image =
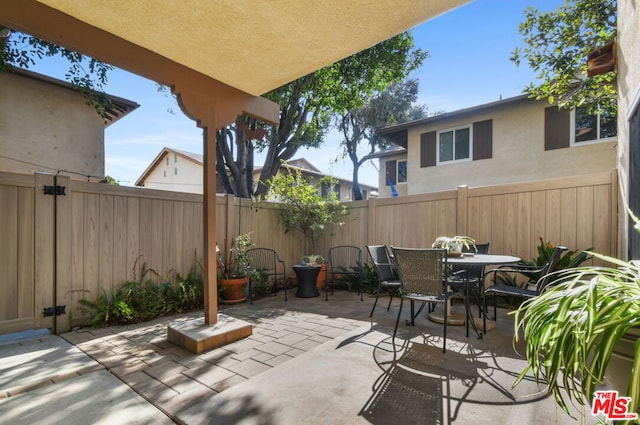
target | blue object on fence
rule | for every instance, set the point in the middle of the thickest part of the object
(394, 192)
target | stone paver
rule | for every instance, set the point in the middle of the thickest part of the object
(169, 376)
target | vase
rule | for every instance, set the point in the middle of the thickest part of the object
(233, 290)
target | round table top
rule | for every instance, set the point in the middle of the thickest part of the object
(483, 259)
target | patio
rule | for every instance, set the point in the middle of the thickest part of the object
(314, 362)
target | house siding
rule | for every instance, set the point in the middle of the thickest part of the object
(516, 152)
(46, 128)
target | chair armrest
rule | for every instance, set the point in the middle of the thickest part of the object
(515, 269)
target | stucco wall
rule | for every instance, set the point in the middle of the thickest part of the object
(46, 128)
(628, 97)
(518, 153)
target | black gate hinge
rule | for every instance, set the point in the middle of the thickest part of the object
(51, 311)
(53, 190)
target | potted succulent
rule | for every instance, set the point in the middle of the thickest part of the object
(455, 244)
(234, 270)
(584, 328)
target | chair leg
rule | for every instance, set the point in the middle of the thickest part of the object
(395, 329)
(374, 304)
(390, 299)
(286, 288)
(444, 336)
(413, 316)
(495, 308)
(250, 291)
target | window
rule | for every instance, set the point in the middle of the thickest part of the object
(402, 171)
(454, 145)
(326, 190)
(583, 127)
(592, 127)
(396, 172)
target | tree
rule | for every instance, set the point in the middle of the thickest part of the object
(302, 206)
(392, 106)
(87, 75)
(557, 45)
(308, 104)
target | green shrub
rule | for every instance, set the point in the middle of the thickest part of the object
(569, 259)
(144, 299)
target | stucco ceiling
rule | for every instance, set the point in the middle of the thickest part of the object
(254, 46)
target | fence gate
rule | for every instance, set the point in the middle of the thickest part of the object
(33, 210)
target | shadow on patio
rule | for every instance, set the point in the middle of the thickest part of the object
(311, 361)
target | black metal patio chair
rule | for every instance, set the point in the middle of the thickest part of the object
(421, 273)
(268, 265)
(469, 278)
(523, 291)
(345, 265)
(385, 271)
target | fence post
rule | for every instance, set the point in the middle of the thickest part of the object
(461, 209)
(371, 222)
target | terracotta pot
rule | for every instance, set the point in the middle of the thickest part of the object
(322, 276)
(233, 290)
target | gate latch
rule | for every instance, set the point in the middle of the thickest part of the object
(53, 190)
(57, 310)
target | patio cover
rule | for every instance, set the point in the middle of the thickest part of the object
(219, 56)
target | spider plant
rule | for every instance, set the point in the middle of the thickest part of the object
(454, 243)
(571, 329)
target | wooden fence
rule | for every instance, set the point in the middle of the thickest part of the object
(57, 249)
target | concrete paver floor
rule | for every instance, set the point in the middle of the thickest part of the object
(309, 361)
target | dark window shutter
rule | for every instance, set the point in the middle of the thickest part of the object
(482, 139)
(428, 149)
(556, 128)
(390, 170)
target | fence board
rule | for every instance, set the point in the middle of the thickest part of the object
(9, 258)
(112, 227)
(25, 251)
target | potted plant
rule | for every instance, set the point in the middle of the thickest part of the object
(573, 330)
(304, 209)
(234, 270)
(454, 244)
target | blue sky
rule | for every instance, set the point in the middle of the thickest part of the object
(468, 65)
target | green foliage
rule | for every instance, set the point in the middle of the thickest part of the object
(107, 310)
(87, 75)
(572, 328)
(110, 180)
(557, 45)
(236, 263)
(569, 259)
(144, 299)
(392, 106)
(308, 104)
(369, 279)
(302, 207)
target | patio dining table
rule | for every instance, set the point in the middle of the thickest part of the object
(470, 259)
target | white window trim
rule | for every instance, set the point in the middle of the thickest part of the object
(454, 129)
(398, 171)
(572, 133)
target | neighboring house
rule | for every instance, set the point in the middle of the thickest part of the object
(182, 171)
(512, 140)
(174, 170)
(47, 127)
(343, 187)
